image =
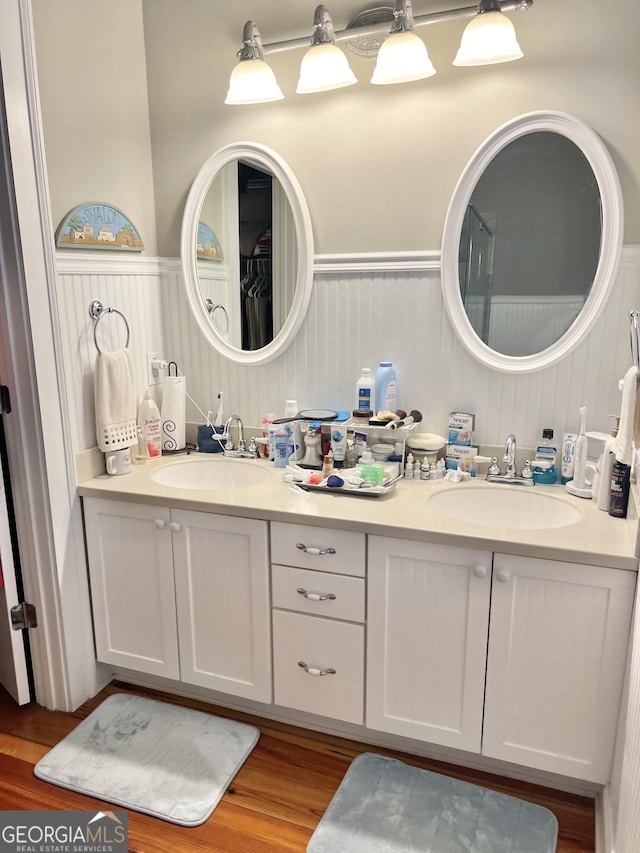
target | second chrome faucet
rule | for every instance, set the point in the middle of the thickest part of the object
(510, 475)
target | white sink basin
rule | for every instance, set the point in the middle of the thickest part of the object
(211, 473)
(514, 507)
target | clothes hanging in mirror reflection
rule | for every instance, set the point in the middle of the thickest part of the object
(256, 303)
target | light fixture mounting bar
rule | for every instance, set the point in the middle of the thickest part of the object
(418, 21)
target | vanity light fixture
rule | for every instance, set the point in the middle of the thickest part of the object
(252, 80)
(489, 38)
(403, 56)
(324, 66)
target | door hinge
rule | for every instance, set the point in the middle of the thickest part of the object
(23, 615)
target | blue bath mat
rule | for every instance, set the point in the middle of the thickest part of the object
(385, 806)
(164, 760)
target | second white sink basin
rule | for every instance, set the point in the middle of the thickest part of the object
(515, 507)
(211, 473)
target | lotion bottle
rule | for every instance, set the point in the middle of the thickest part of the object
(149, 421)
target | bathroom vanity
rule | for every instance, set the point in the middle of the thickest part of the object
(378, 618)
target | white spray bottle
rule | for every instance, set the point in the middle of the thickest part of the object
(578, 486)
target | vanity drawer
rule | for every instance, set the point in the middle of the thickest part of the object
(318, 593)
(321, 644)
(324, 548)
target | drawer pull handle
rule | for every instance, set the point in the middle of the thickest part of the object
(313, 670)
(316, 552)
(316, 596)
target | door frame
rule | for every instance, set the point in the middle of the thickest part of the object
(39, 438)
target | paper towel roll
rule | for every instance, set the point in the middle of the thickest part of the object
(172, 414)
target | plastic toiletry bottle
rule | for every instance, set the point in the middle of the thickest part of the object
(365, 387)
(602, 481)
(280, 448)
(620, 485)
(424, 469)
(408, 468)
(546, 452)
(149, 420)
(267, 420)
(327, 465)
(386, 388)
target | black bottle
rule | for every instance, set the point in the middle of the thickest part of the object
(620, 484)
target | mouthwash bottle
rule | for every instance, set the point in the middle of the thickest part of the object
(545, 470)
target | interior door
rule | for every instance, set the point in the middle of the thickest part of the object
(14, 673)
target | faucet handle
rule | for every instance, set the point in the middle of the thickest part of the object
(527, 471)
(494, 468)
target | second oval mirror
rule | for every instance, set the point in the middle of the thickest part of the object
(531, 241)
(247, 252)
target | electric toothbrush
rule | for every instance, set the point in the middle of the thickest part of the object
(578, 486)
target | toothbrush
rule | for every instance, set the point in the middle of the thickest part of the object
(218, 420)
(579, 475)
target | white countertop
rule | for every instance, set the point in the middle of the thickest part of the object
(596, 539)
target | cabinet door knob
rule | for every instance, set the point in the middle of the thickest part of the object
(316, 596)
(175, 526)
(313, 670)
(480, 571)
(160, 523)
(316, 552)
(503, 575)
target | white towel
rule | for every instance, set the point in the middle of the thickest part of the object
(624, 440)
(174, 394)
(115, 400)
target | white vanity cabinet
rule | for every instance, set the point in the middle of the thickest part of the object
(318, 591)
(557, 652)
(554, 662)
(428, 618)
(181, 594)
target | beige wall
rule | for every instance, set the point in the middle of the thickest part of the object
(377, 164)
(93, 94)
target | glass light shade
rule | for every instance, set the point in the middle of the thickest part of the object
(488, 39)
(253, 82)
(402, 57)
(324, 67)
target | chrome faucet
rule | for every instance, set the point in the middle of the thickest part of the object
(494, 475)
(242, 444)
(241, 450)
(510, 455)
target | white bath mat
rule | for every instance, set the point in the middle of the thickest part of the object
(385, 806)
(167, 761)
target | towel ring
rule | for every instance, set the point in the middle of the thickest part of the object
(97, 311)
(212, 308)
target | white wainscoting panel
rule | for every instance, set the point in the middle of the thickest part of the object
(356, 318)
(130, 284)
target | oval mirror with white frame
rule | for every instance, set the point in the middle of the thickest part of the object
(532, 241)
(247, 252)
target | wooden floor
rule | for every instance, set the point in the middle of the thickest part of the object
(274, 802)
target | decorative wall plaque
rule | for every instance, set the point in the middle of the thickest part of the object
(208, 246)
(97, 225)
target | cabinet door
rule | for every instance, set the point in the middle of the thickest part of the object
(132, 594)
(557, 653)
(428, 612)
(222, 597)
